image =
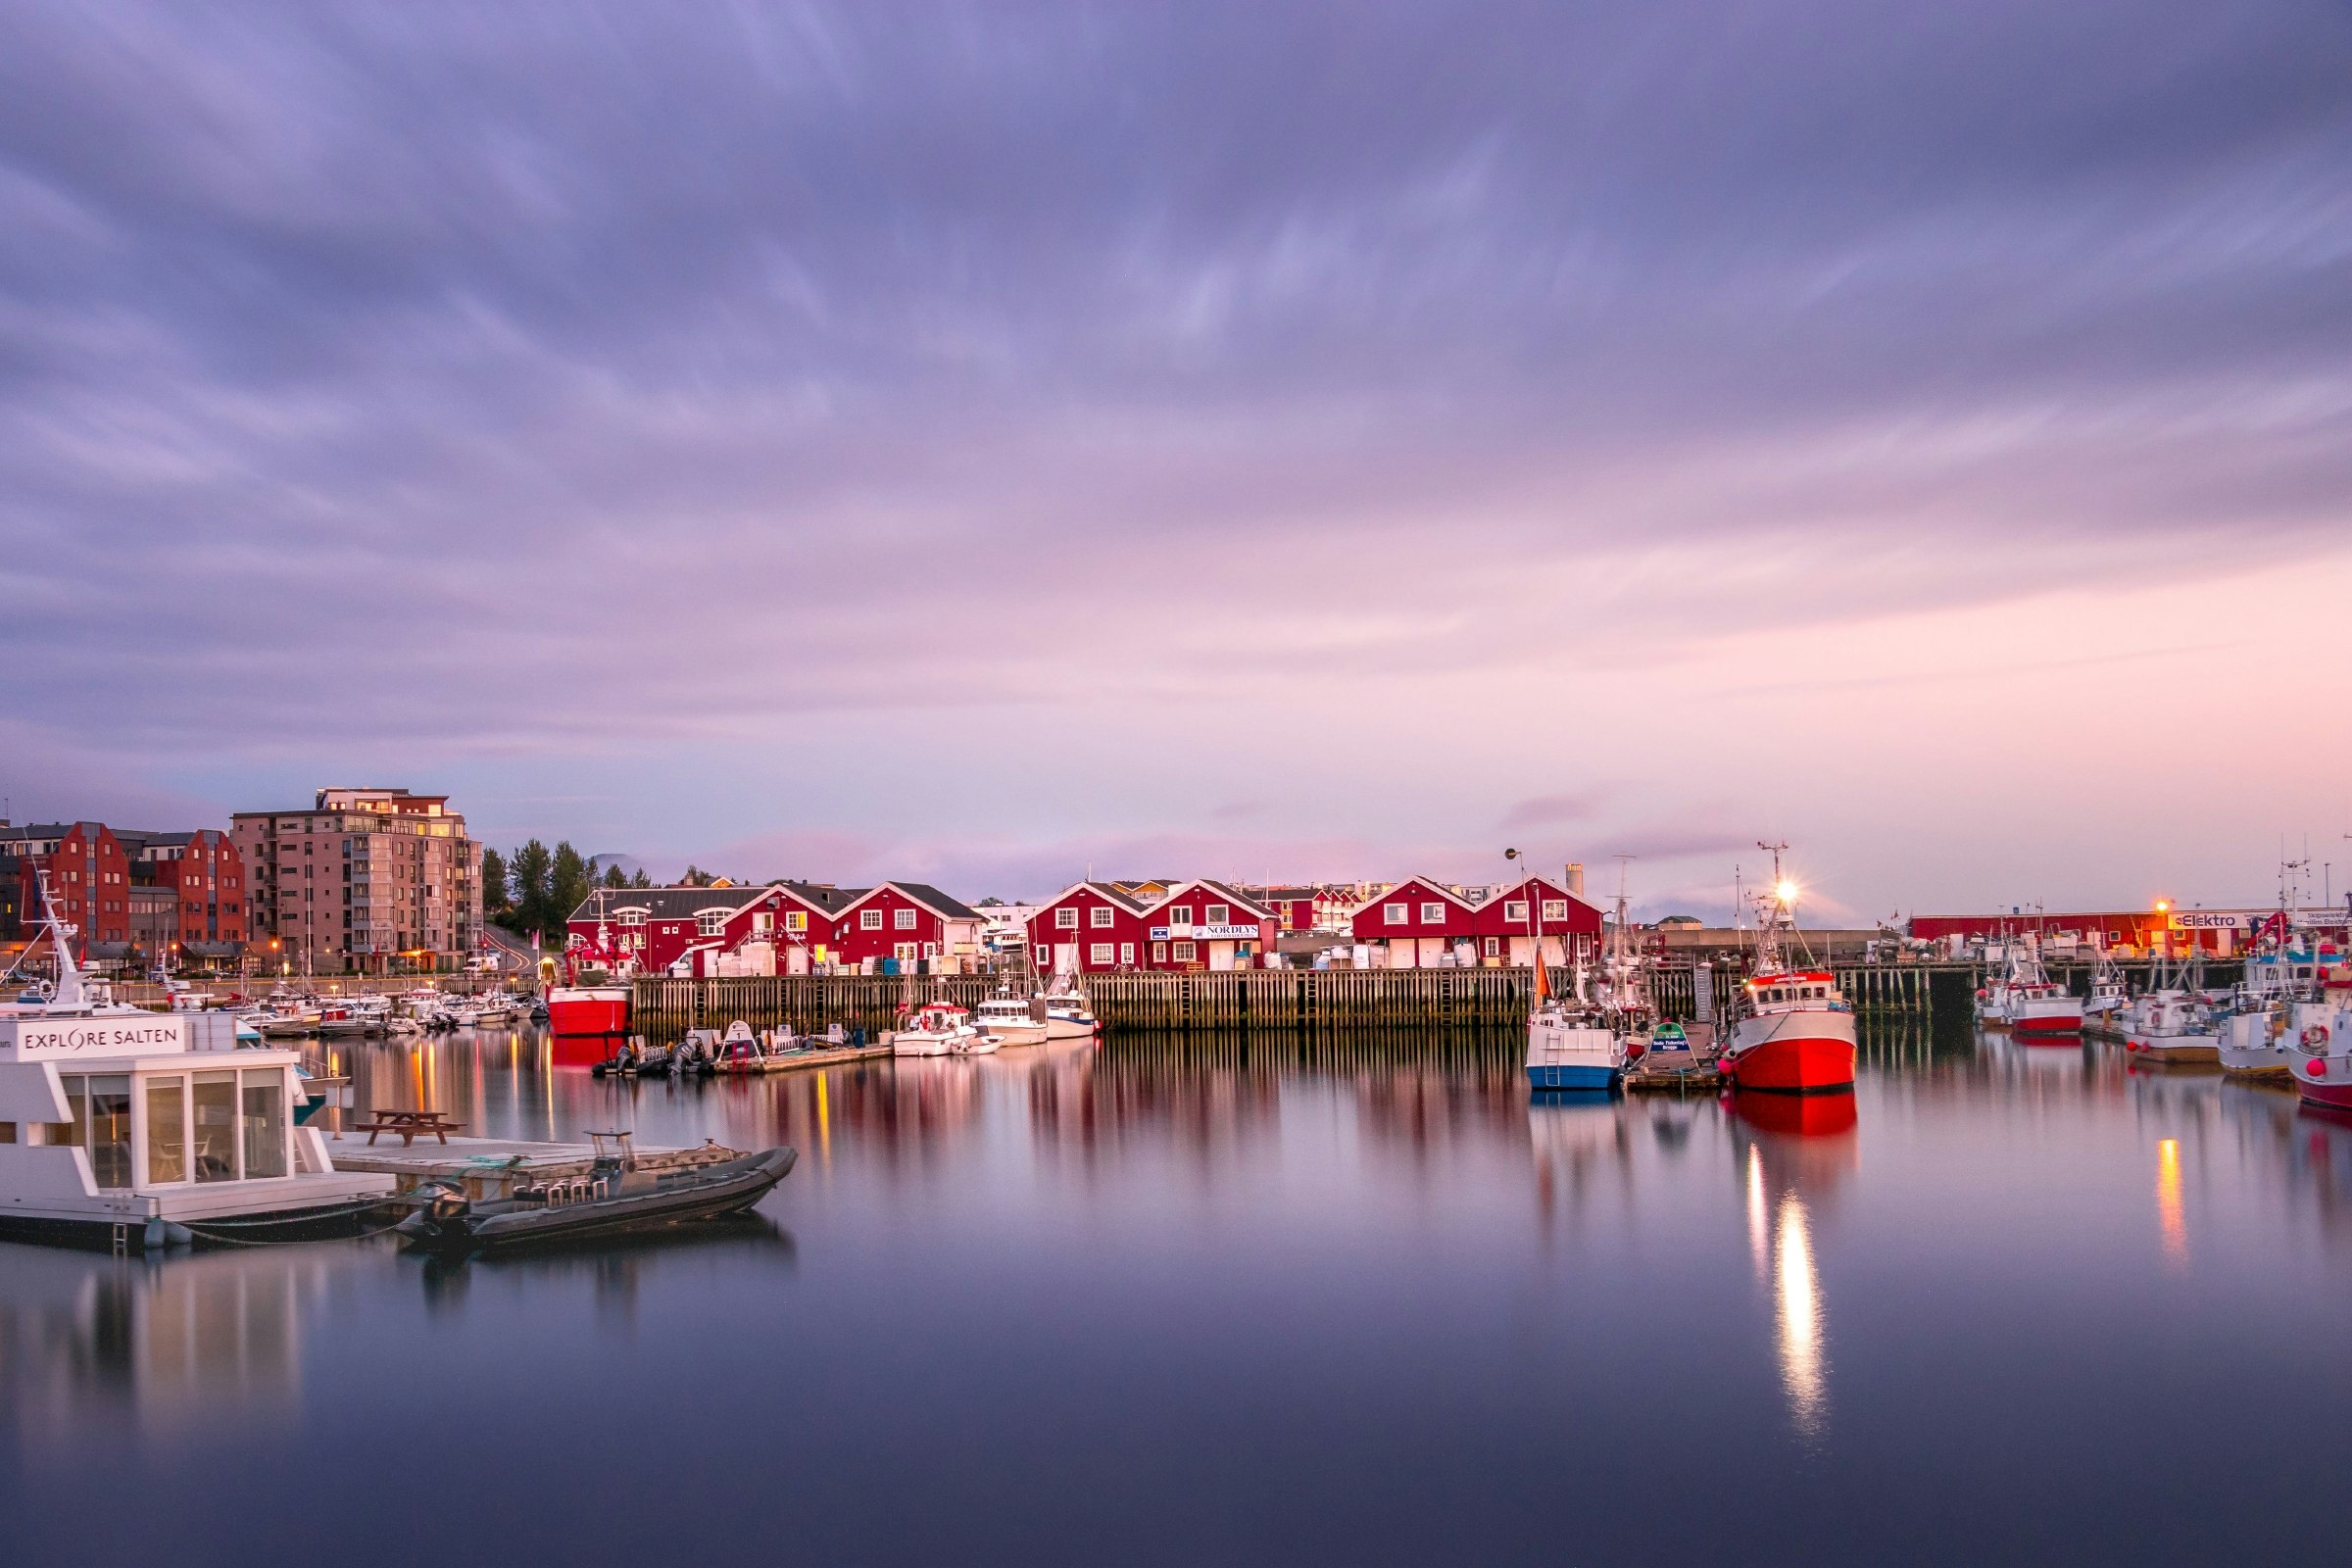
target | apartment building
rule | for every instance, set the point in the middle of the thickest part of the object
(367, 881)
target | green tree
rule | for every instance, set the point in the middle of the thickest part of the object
(614, 876)
(498, 898)
(569, 882)
(641, 880)
(533, 869)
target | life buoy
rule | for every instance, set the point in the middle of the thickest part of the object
(2315, 1038)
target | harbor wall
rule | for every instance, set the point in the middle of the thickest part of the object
(1299, 999)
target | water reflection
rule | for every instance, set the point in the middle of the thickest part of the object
(168, 1346)
(2168, 1200)
(1800, 1150)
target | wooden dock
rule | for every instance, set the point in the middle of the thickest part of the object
(488, 1167)
(1312, 1000)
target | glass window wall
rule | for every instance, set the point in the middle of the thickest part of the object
(166, 1130)
(213, 1099)
(265, 1124)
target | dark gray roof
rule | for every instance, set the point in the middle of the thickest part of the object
(666, 904)
(925, 893)
(825, 895)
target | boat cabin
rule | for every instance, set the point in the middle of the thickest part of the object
(120, 1122)
(1818, 991)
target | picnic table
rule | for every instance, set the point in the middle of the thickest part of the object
(411, 1125)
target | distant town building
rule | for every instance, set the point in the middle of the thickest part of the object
(173, 899)
(365, 881)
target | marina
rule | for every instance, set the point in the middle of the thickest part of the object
(1841, 1287)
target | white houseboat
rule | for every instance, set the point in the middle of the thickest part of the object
(138, 1129)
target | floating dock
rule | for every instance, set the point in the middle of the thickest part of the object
(488, 1167)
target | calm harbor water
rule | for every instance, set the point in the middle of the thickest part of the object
(1257, 1302)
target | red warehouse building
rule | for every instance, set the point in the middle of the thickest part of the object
(780, 928)
(1422, 921)
(1196, 925)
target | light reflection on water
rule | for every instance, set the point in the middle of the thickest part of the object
(1258, 1301)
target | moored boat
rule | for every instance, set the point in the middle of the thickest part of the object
(615, 1195)
(935, 1029)
(1014, 1020)
(1796, 1030)
(2174, 1026)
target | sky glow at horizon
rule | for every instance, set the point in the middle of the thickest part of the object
(976, 444)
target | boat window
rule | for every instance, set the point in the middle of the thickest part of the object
(166, 1130)
(213, 1102)
(265, 1128)
(101, 1124)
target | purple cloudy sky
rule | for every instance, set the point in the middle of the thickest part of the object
(980, 441)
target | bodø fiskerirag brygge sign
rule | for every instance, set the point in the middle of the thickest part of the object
(145, 1036)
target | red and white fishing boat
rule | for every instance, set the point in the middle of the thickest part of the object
(1795, 1031)
(2321, 1035)
(593, 1003)
(2034, 1004)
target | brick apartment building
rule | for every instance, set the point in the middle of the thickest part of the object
(178, 898)
(367, 881)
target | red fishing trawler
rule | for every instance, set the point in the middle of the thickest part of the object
(1796, 1030)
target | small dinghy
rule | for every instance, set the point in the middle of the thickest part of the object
(613, 1196)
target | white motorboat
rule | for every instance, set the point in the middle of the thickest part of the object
(1069, 1015)
(935, 1029)
(2253, 1046)
(2171, 1026)
(1570, 1043)
(1014, 1020)
(144, 1130)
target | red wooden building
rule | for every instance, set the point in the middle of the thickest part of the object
(1196, 925)
(777, 928)
(1422, 921)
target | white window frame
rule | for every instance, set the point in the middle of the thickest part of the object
(1101, 917)
(796, 919)
(1494, 946)
(1127, 955)
(1065, 919)
(902, 919)
(1219, 914)
(711, 923)
(1556, 908)
(1182, 915)
(1099, 953)
(870, 919)
(1188, 952)
(1515, 912)
(1433, 913)
(1396, 913)
(1160, 953)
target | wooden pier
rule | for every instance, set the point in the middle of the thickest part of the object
(1314, 999)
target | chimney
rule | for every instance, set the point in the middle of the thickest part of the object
(1576, 879)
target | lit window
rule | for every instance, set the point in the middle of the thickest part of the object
(1395, 915)
(796, 919)
(1432, 914)
(870, 919)
(1065, 919)
(1101, 917)
(903, 919)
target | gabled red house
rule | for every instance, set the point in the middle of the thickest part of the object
(1196, 925)
(1512, 921)
(1421, 920)
(904, 920)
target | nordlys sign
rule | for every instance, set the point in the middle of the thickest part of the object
(149, 1035)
